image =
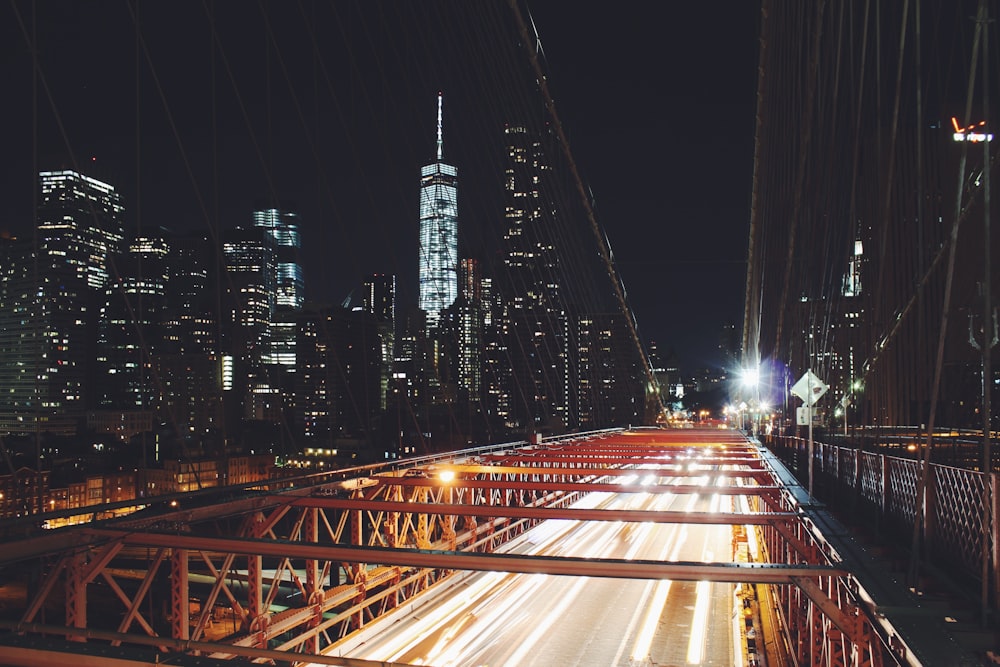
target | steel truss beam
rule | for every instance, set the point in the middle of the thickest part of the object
(764, 573)
(580, 487)
(398, 534)
(546, 513)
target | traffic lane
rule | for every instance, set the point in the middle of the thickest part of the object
(538, 619)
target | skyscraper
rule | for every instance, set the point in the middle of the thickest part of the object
(337, 383)
(380, 301)
(537, 321)
(49, 299)
(250, 258)
(530, 211)
(282, 224)
(438, 263)
(188, 367)
(80, 221)
(470, 330)
(130, 325)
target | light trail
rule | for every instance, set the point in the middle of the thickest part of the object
(699, 622)
(510, 619)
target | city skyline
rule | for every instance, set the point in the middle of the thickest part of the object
(279, 110)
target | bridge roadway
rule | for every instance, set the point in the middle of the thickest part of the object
(619, 548)
(495, 618)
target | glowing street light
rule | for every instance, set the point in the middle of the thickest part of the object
(750, 377)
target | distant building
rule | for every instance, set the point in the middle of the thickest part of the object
(24, 492)
(250, 257)
(21, 342)
(729, 343)
(282, 223)
(80, 221)
(188, 365)
(49, 301)
(470, 330)
(536, 320)
(496, 368)
(380, 302)
(608, 380)
(438, 259)
(337, 390)
(130, 324)
(666, 371)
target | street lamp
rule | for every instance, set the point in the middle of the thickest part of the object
(750, 379)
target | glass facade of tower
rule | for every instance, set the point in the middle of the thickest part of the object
(438, 264)
(283, 226)
(438, 238)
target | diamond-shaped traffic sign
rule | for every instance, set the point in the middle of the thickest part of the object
(809, 388)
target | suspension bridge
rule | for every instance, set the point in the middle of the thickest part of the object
(822, 543)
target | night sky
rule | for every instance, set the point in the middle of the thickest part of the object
(331, 106)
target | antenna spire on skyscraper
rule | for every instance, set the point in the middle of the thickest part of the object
(440, 136)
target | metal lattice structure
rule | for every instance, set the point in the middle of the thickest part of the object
(952, 531)
(284, 574)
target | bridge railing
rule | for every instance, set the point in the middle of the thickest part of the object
(879, 492)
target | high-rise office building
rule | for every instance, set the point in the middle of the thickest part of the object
(188, 366)
(531, 262)
(380, 297)
(80, 221)
(250, 273)
(35, 322)
(282, 223)
(469, 327)
(536, 319)
(438, 262)
(496, 371)
(337, 383)
(607, 378)
(380, 301)
(130, 324)
(50, 297)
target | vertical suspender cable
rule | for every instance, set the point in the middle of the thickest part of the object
(918, 519)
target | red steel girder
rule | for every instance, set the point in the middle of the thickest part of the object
(616, 471)
(450, 560)
(581, 487)
(761, 476)
(544, 513)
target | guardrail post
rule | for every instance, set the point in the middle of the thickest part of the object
(930, 512)
(884, 466)
(994, 585)
(856, 496)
